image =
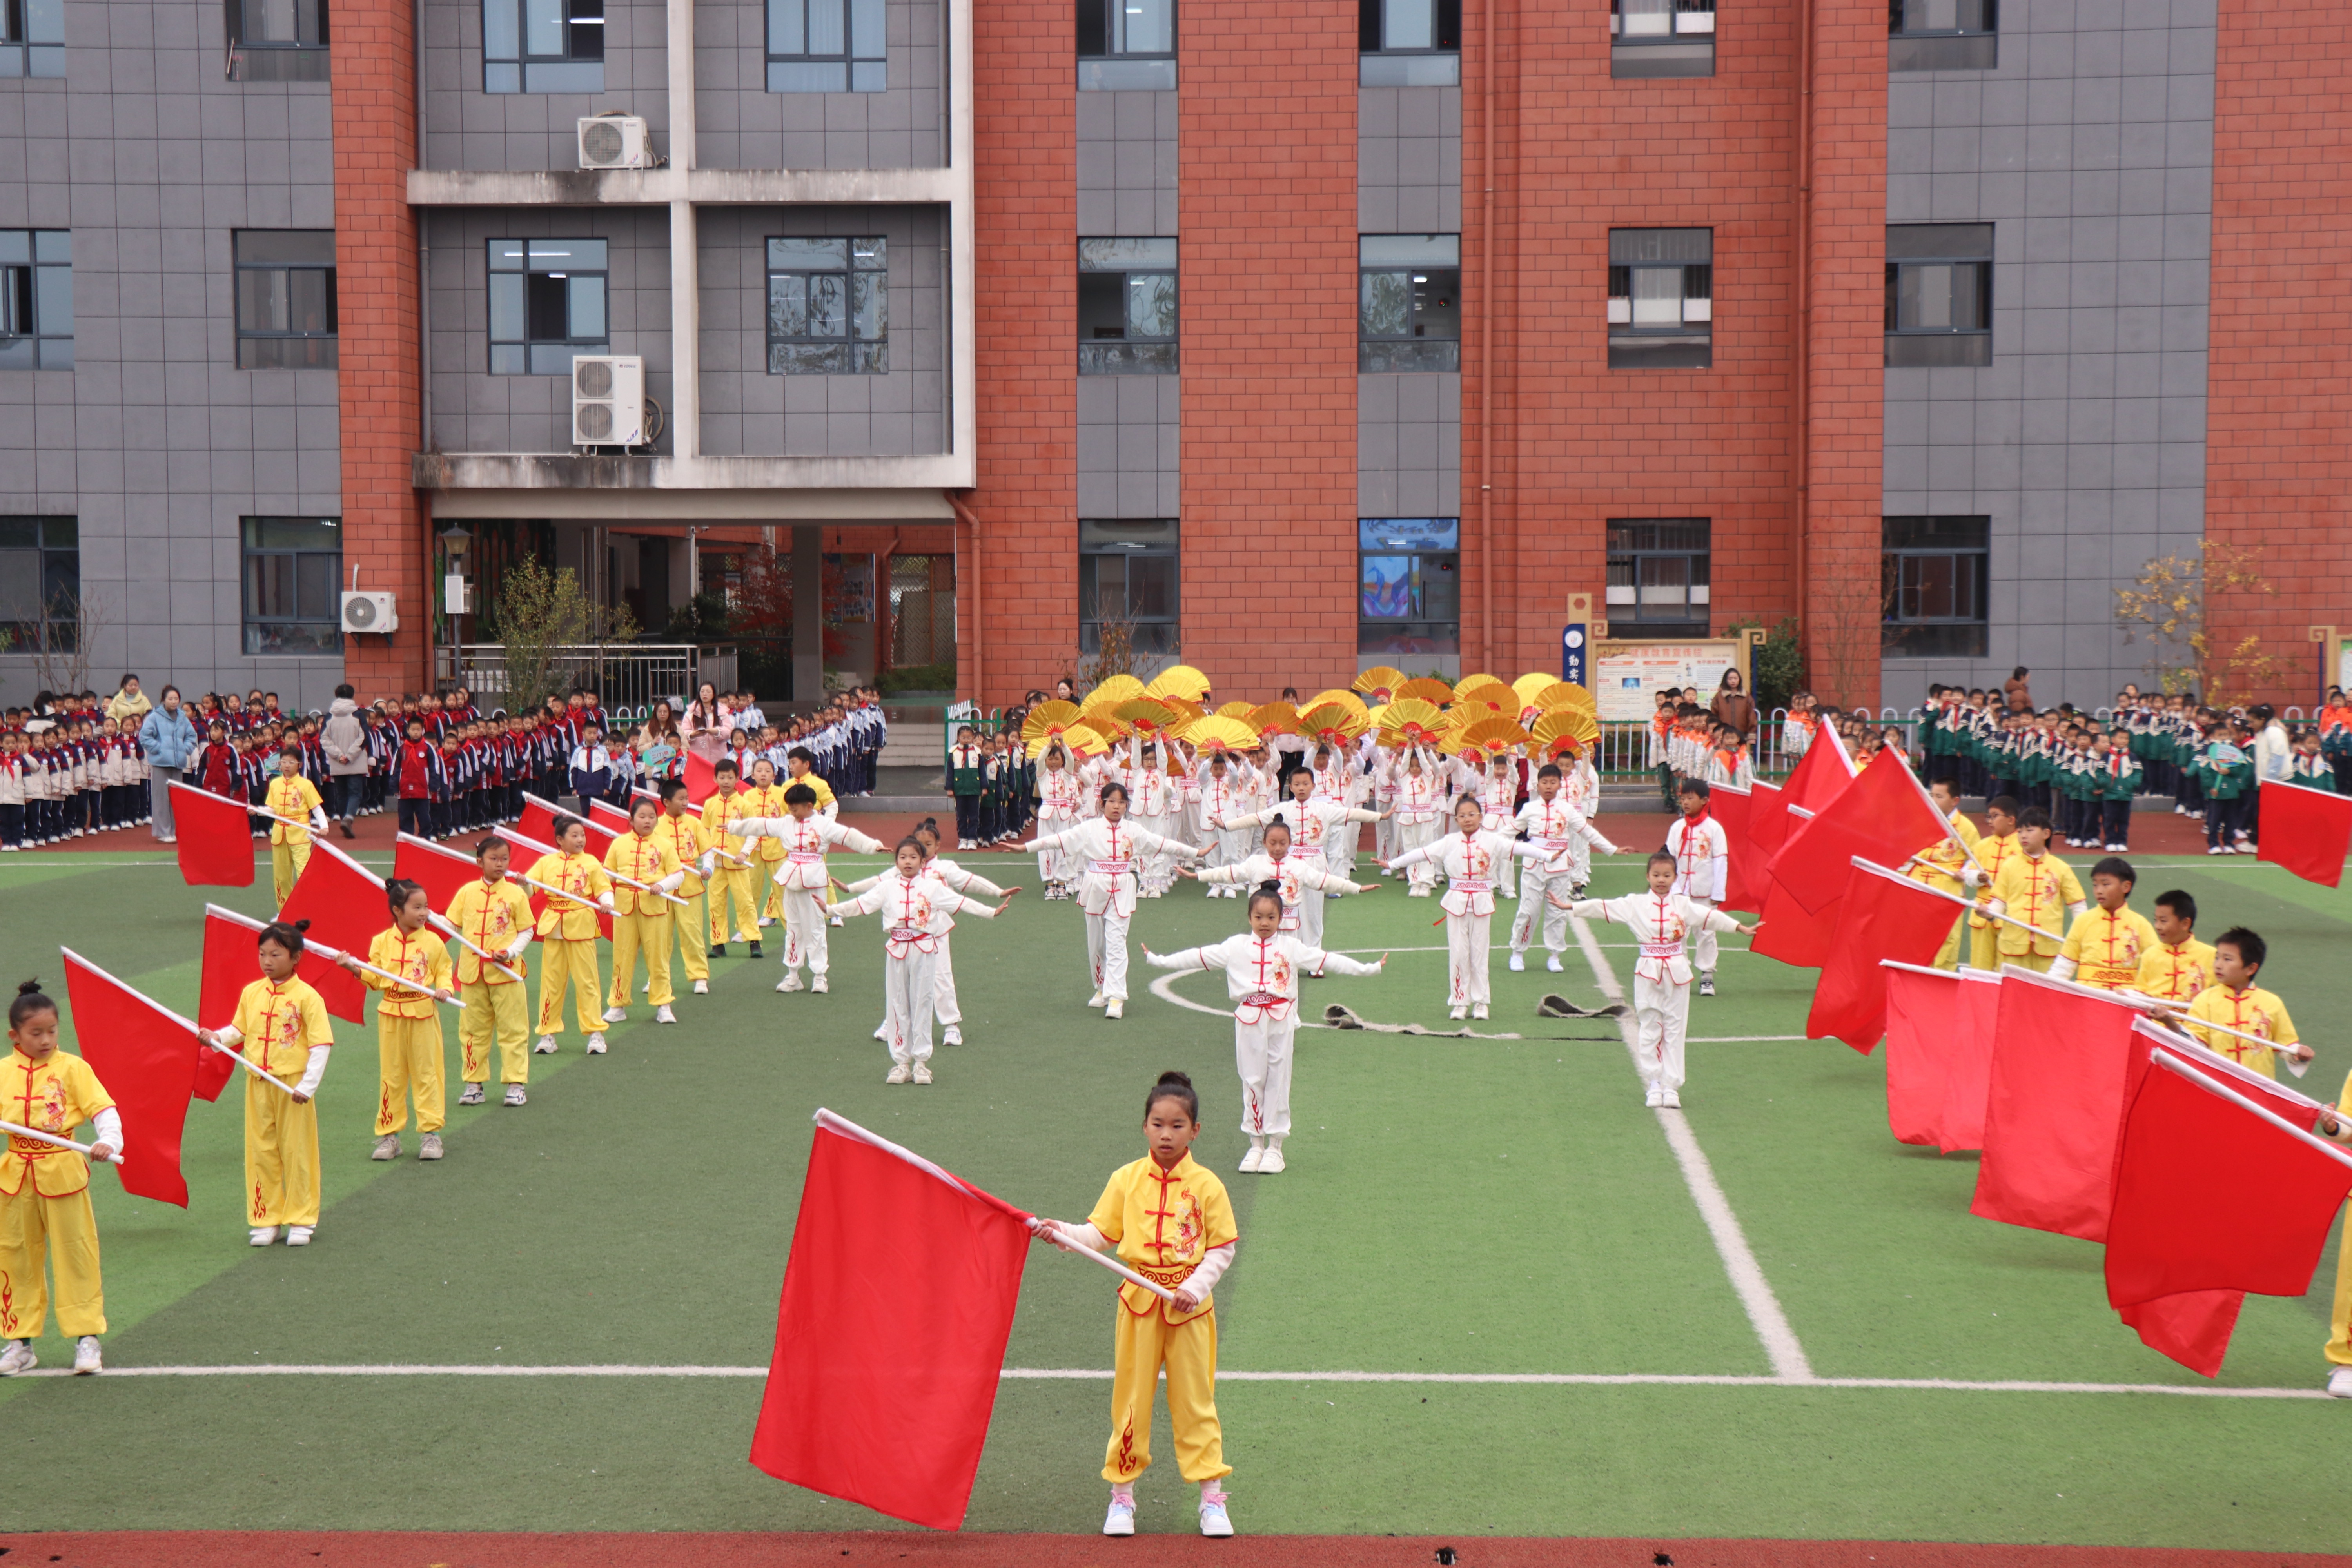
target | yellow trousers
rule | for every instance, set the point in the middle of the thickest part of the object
(281, 1156)
(1984, 950)
(2038, 963)
(734, 882)
(2339, 1322)
(688, 926)
(63, 1233)
(408, 1056)
(1948, 955)
(570, 965)
(1189, 1352)
(498, 1014)
(286, 863)
(649, 933)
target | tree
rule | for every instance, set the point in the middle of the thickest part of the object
(552, 632)
(1114, 653)
(63, 639)
(2171, 604)
(1780, 662)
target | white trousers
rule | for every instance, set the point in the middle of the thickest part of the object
(1310, 916)
(1703, 949)
(1415, 836)
(1107, 951)
(909, 990)
(1151, 868)
(804, 930)
(1263, 1055)
(1466, 959)
(1339, 849)
(1536, 907)
(1233, 845)
(1661, 1018)
(1053, 865)
(1580, 862)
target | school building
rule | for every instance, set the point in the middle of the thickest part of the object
(1286, 339)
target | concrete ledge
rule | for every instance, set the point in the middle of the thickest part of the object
(704, 187)
(587, 471)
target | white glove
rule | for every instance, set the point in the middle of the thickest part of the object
(515, 948)
(319, 821)
(669, 884)
(708, 864)
(604, 902)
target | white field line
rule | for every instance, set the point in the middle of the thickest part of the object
(1103, 1374)
(1781, 1345)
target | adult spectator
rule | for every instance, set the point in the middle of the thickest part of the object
(1733, 706)
(346, 739)
(2018, 691)
(168, 737)
(129, 705)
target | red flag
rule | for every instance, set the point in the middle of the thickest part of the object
(2056, 1105)
(1883, 815)
(229, 968)
(2212, 1201)
(1882, 916)
(343, 902)
(701, 782)
(215, 838)
(1742, 888)
(440, 872)
(1791, 933)
(1939, 1029)
(606, 822)
(145, 1055)
(539, 819)
(1821, 774)
(874, 1395)
(1768, 828)
(2306, 830)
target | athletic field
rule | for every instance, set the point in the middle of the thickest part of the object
(1492, 1295)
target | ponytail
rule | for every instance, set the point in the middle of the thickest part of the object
(29, 1002)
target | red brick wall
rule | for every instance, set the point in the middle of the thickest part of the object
(2278, 432)
(1266, 204)
(384, 521)
(1021, 598)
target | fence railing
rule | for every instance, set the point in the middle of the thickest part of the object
(629, 677)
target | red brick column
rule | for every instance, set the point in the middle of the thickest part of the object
(2278, 411)
(1022, 598)
(384, 518)
(1266, 204)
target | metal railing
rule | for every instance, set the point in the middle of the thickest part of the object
(628, 677)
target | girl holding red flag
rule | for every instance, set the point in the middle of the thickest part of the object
(45, 1216)
(408, 1030)
(283, 1025)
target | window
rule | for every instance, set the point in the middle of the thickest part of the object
(1661, 299)
(1657, 577)
(36, 298)
(1661, 37)
(828, 307)
(1932, 575)
(293, 577)
(1409, 43)
(1410, 301)
(278, 40)
(1127, 44)
(285, 299)
(1938, 293)
(1943, 34)
(40, 582)
(35, 37)
(1127, 306)
(1127, 579)
(827, 45)
(1409, 587)
(547, 303)
(542, 46)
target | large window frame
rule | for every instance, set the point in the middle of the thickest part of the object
(1127, 307)
(33, 39)
(828, 305)
(1661, 299)
(1408, 588)
(285, 299)
(1141, 562)
(542, 46)
(1649, 39)
(1659, 571)
(40, 582)
(526, 304)
(1935, 586)
(291, 574)
(828, 46)
(1126, 44)
(1943, 34)
(278, 40)
(1409, 43)
(1939, 294)
(1408, 302)
(36, 315)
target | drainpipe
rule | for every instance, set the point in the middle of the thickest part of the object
(970, 521)
(1486, 343)
(1804, 445)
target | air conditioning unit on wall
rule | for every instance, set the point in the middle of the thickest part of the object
(370, 612)
(608, 400)
(615, 141)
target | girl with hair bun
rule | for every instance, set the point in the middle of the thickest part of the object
(280, 1028)
(408, 1029)
(1171, 1221)
(46, 1221)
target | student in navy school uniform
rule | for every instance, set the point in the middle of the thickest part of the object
(592, 772)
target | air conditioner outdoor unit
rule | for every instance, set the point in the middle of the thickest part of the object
(608, 400)
(615, 141)
(370, 612)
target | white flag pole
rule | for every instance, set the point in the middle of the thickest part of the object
(16, 1130)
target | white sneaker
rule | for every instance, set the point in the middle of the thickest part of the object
(2247, 849)
(1212, 893)
(1214, 1521)
(19, 1358)
(1478, 1011)
(515, 1095)
(818, 984)
(298, 1234)
(833, 921)
(2340, 1383)
(1706, 983)
(596, 1044)
(1672, 1099)
(790, 982)
(2216, 850)
(1097, 1000)
(702, 988)
(664, 1015)
(546, 1047)
(430, 1148)
(1656, 1097)
(473, 1095)
(951, 1035)
(1257, 1153)
(262, 1235)
(86, 1357)
(899, 1073)
(766, 921)
(1121, 1520)
(386, 1147)
(1114, 1008)
(1553, 964)
(1518, 962)
(1457, 1014)
(1271, 1163)
(923, 1072)
(616, 1014)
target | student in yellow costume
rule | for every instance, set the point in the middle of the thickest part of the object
(494, 914)
(296, 812)
(2235, 1001)
(283, 1025)
(1172, 1223)
(2037, 888)
(2108, 945)
(1995, 848)
(46, 1224)
(568, 927)
(642, 922)
(1940, 867)
(729, 879)
(407, 1023)
(763, 796)
(689, 844)
(2180, 967)
(2339, 1324)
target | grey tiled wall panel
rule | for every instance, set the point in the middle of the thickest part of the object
(1409, 159)
(746, 412)
(741, 125)
(1128, 428)
(1409, 446)
(465, 127)
(2090, 149)
(474, 411)
(155, 441)
(1127, 168)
